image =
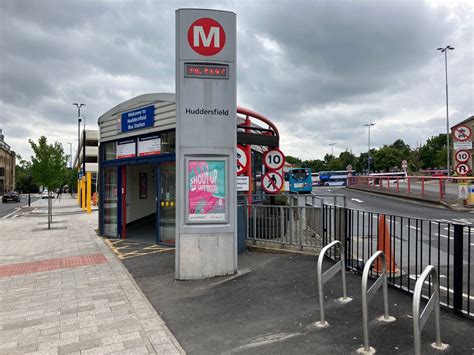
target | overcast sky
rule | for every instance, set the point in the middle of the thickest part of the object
(319, 69)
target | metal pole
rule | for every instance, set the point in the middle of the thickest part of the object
(447, 111)
(368, 156)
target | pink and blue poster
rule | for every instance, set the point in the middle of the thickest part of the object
(206, 191)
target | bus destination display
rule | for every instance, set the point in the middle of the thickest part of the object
(207, 71)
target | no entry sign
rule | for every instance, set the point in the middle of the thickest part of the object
(272, 182)
(242, 159)
(274, 159)
(462, 133)
(462, 156)
(462, 169)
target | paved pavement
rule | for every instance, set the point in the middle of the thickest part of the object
(63, 291)
(271, 308)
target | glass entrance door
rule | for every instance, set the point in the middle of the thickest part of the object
(167, 202)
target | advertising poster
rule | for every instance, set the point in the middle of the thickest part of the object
(206, 191)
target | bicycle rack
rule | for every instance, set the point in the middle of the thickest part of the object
(368, 295)
(419, 321)
(327, 275)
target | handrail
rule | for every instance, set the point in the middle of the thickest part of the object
(419, 321)
(327, 275)
(368, 294)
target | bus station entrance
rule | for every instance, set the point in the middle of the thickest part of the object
(137, 169)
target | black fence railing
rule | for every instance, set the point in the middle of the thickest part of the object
(410, 244)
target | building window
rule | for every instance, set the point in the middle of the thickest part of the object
(110, 150)
(2, 171)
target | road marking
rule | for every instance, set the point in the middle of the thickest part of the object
(414, 277)
(8, 215)
(356, 200)
(415, 228)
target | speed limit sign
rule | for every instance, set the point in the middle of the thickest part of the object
(462, 156)
(274, 159)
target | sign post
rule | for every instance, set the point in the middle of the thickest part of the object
(206, 139)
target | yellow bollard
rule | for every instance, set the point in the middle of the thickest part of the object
(89, 192)
(83, 189)
(79, 192)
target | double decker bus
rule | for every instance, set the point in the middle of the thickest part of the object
(298, 180)
(333, 178)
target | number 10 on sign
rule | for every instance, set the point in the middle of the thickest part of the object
(274, 159)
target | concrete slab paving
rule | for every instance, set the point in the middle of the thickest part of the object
(272, 307)
(68, 292)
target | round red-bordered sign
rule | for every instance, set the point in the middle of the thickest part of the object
(463, 169)
(206, 36)
(462, 133)
(272, 182)
(274, 159)
(462, 156)
(242, 159)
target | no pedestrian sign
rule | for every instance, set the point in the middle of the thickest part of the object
(272, 182)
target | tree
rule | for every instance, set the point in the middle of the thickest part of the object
(24, 181)
(430, 152)
(293, 161)
(48, 167)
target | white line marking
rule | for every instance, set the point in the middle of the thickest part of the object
(415, 228)
(8, 215)
(356, 200)
(413, 277)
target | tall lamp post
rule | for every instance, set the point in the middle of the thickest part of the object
(368, 153)
(70, 155)
(445, 51)
(332, 148)
(79, 134)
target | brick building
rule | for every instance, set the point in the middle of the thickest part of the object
(7, 166)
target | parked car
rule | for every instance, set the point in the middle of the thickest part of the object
(11, 196)
(45, 194)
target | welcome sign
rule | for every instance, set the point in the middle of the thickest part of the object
(138, 118)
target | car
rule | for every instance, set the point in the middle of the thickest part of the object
(11, 196)
(45, 194)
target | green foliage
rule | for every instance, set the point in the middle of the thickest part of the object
(48, 166)
(24, 180)
(293, 161)
(385, 159)
(430, 153)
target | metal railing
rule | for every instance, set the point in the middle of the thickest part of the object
(430, 187)
(327, 275)
(367, 295)
(420, 318)
(412, 243)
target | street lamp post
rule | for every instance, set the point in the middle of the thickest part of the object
(332, 148)
(79, 134)
(445, 51)
(70, 155)
(368, 154)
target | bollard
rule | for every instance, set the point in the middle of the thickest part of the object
(367, 296)
(420, 318)
(327, 275)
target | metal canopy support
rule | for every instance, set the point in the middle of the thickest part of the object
(327, 275)
(419, 320)
(367, 295)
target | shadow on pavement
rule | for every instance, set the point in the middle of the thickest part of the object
(271, 308)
